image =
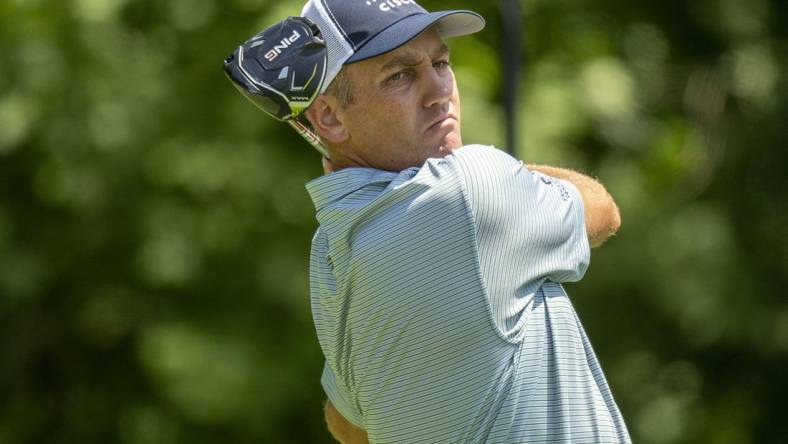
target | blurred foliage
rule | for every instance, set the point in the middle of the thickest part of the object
(154, 226)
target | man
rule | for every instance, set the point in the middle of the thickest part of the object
(436, 270)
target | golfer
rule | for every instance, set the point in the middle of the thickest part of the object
(436, 270)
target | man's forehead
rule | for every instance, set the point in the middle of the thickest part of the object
(428, 43)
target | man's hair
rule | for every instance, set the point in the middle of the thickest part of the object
(341, 88)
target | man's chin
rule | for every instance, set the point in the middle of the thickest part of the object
(449, 143)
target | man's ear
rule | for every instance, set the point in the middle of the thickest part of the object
(325, 115)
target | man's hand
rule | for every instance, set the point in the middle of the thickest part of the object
(601, 212)
(341, 429)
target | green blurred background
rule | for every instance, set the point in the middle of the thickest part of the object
(154, 226)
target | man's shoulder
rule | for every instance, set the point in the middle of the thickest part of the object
(476, 157)
(485, 167)
(481, 150)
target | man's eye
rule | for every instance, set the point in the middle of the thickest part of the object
(398, 76)
(442, 64)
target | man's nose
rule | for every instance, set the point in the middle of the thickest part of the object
(438, 88)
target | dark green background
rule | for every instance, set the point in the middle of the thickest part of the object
(154, 226)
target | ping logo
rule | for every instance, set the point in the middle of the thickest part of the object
(388, 5)
(284, 44)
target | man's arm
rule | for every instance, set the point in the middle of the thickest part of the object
(601, 212)
(342, 429)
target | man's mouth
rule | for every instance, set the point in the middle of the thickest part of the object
(438, 122)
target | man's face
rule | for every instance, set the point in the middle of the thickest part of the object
(405, 108)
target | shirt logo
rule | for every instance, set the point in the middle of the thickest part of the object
(388, 5)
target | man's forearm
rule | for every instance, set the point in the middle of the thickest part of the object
(601, 212)
(341, 429)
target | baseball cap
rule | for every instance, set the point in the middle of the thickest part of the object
(355, 30)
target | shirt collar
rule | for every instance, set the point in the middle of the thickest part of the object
(333, 187)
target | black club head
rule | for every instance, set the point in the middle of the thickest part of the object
(281, 69)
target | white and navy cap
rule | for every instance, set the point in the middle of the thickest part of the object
(355, 30)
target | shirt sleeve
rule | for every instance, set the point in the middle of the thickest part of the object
(524, 219)
(338, 396)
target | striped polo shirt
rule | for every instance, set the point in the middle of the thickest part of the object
(437, 299)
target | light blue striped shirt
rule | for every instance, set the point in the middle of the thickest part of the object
(437, 299)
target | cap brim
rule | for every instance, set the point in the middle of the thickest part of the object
(449, 24)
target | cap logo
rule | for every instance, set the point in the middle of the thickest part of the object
(284, 44)
(388, 5)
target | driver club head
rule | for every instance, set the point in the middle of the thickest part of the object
(281, 69)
